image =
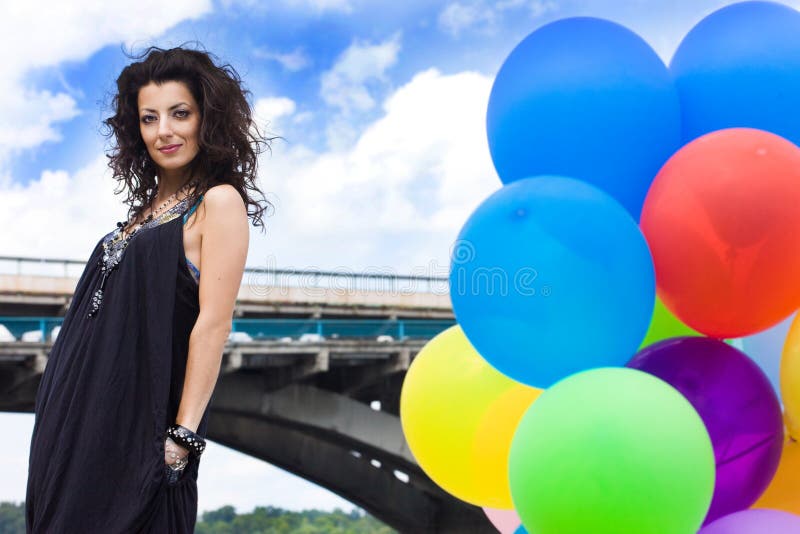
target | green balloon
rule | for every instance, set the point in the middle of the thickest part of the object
(664, 325)
(611, 450)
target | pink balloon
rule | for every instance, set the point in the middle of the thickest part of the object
(505, 521)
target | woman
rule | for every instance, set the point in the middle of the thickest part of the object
(121, 410)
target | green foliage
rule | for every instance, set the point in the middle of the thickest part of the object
(12, 518)
(271, 520)
(262, 520)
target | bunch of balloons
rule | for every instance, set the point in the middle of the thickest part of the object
(627, 353)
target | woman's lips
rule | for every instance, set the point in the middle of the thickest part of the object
(169, 150)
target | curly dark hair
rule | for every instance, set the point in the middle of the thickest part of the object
(227, 136)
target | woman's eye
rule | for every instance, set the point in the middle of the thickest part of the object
(181, 113)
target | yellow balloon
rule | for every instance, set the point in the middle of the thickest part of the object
(783, 492)
(790, 378)
(459, 415)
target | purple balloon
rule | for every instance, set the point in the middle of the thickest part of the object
(738, 406)
(755, 522)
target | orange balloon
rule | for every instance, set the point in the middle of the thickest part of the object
(723, 225)
(783, 493)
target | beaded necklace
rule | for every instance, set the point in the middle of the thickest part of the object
(113, 248)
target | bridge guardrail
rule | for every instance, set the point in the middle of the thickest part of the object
(376, 280)
(45, 329)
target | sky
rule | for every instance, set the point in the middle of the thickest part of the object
(380, 107)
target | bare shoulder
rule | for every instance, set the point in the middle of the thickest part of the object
(226, 214)
(222, 203)
(224, 197)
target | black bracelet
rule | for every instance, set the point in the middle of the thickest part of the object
(187, 439)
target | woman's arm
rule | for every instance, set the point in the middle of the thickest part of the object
(223, 252)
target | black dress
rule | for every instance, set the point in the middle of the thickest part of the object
(110, 389)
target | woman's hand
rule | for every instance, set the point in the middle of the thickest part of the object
(174, 454)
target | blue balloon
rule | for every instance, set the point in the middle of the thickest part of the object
(740, 67)
(551, 276)
(521, 530)
(587, 98)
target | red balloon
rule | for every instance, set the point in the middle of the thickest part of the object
(722, 219)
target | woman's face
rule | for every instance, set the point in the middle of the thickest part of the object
(168, 115)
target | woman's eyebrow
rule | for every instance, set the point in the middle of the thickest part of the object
(171, 107)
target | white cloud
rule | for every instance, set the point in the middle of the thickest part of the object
(29, 116)
(396, 197)
(275, 107)
(303, 116)
(57, 195)
(486, 16)
(318, 6)
(344, 86)
(269, 111)
(74, 30)
(534, 7)
(537, 8)
(323, 5)
(351, 84)
(457, 17)
(294, 61)
(33, 37)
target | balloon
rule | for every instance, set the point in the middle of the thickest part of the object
(738, 406)
(740, 66)
(588, 98)
(665, 325)
(505, 521)
(790, 378)
(783, 492)
(458, 415)
(611, 451)
(521, 530)
(551, 276)
(765, 348)
(723, 226)
(755, 522)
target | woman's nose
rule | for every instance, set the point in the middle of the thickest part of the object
(164, 128)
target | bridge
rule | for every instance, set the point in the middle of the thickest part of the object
(310, 379)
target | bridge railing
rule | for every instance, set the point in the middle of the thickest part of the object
(45, 329)
(373, 280)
